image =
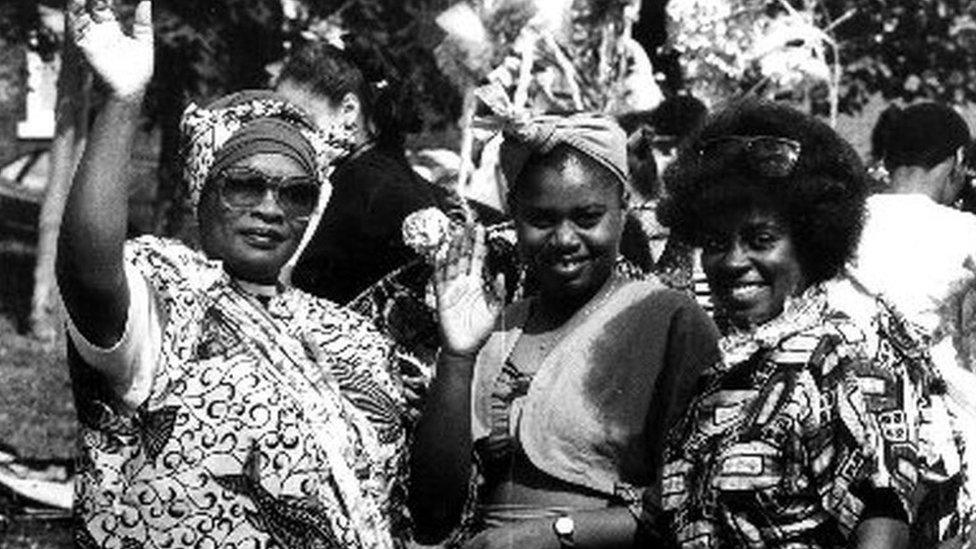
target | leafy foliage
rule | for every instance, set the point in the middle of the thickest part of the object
(394, 40)
(899, 48)
(906, 49)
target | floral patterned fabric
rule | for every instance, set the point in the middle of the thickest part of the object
(808, 421)
(273, 423)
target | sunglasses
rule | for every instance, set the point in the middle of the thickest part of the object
(245, 189)
(768, 155)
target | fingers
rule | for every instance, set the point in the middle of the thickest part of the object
(101, 11)
(440, 265)
(479, 251)
(457, 257)
(78, 19)
(142, 28)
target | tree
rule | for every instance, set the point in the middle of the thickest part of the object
(203, 50)
(904, 49)
(395, 40)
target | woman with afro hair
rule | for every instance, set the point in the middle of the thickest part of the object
(809, 432)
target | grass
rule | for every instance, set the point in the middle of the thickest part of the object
(37, 418)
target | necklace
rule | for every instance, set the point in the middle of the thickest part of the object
(547, 341)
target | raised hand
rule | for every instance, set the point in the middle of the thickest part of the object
(466, 310)
(124, 63)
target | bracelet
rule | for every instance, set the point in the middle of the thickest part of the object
(449, 355)
(564, 527)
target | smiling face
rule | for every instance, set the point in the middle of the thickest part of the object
(569, 219)
(254, 243)
(751, 264)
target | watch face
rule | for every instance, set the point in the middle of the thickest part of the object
(564, 526)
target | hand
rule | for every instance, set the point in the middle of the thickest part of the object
(465, 309)
(415, 394)
(124, 63)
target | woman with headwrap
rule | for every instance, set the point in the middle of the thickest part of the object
(560, 399)
(217, 407)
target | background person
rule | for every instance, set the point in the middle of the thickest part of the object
(918, 252)
(217, 407)
(357, 240)
(564, 396)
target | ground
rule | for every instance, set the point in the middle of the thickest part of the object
(37, 419)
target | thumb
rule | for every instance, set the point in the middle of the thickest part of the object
(142, 28)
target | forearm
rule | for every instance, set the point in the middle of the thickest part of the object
(442, 449)
(881, 533)
(610, 528)
(90, 246)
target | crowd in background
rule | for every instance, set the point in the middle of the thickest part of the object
(677, 328)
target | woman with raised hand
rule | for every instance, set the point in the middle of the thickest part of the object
(814, 430)
(218, 408)
(560, 401)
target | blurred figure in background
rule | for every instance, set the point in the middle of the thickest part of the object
(916, 248)
(653, 139)
(674, 120)
(918, 252)
(357, 240)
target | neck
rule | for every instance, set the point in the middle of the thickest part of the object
(918, 180)
(255, 286)
(555, 308)
(259, 289)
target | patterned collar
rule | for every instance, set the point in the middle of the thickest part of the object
(799, 313)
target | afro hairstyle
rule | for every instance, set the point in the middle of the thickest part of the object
(821, 200)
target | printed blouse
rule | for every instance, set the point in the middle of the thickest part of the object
(252, 420)
(808, 426)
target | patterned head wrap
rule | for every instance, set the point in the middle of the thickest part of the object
(597, 137)
(266, 135)
(246, 123)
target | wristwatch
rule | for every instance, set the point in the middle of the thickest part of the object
(564, 528)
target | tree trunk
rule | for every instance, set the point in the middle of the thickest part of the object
(71, 130)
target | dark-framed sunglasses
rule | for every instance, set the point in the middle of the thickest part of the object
(768, 155)
(245, 189)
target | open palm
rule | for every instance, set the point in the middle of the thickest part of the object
(123, 62)
(466, 309)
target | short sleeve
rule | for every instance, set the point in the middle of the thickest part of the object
(864, 447)
(138, 348)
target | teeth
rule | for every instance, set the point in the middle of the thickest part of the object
(746, 291)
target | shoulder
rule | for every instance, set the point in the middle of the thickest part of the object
(653, 297)
(169, 263)
(824, 348)
(379, 166)
(329, 315)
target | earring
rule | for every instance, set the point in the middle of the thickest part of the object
(342, 137)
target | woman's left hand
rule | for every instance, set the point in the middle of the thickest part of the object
(124, 62)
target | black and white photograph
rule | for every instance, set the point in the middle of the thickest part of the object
(488, 274)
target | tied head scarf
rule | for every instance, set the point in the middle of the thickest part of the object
(597, 136)
(243, 124)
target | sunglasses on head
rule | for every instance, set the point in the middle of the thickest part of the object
(768, 155)
(246, 189)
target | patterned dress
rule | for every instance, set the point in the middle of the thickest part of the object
(269, 423)
(808, 421)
